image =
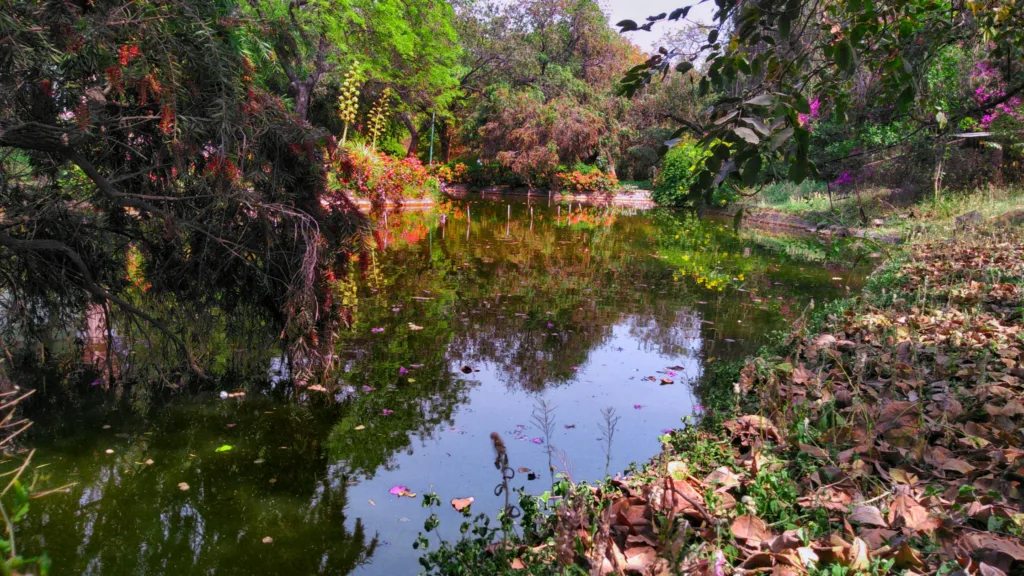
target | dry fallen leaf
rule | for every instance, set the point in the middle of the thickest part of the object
(868, 515)
(752, 528)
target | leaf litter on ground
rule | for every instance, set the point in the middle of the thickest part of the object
(889, 442)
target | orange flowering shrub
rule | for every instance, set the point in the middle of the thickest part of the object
(578, 182)
(365, 173)
(457, 173)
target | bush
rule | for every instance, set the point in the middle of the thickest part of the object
(365, 173)
(677, 174)
(451, 173)
(592, 181)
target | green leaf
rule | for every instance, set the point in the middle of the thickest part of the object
(785, 25)
(906, 98)
(844, 56)
(761, 100)
(758, 125)
(747, 134)
(751, 170)
(798, 169)
(224, 448)
(726, 118)
(684, 67)
(679, 13)
(780, 138)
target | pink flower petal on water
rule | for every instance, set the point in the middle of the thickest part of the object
(537, 440)
(398, 490)
(368, 388)
(575, 368)
(402, 371)
(387, 412)
(376, 330)
(637, 406)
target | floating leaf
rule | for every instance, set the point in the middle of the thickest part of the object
(401, 491)
(224, 448)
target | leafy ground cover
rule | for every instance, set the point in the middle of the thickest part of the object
(882, 435)
(810, 201)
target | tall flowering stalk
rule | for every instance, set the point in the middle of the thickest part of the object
(379, 117)
(348, 100)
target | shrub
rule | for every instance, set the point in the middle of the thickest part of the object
(677, 174)
(451, 173)
(586, 182)
(365, 173)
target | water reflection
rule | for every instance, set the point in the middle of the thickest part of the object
(128, 513)
(586, 308)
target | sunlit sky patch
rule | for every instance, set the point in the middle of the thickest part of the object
(638, 10)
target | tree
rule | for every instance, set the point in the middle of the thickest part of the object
(139, 128)
(540, 77)
(767, 63)
(407, 45)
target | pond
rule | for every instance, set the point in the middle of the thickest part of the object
(469, 319)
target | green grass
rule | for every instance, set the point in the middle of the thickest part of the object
(636, 184)
(810, 200)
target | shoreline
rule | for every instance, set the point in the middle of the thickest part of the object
(824, 451)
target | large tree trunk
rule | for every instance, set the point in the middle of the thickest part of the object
(414, 134)
(445, 136)
(303, 93)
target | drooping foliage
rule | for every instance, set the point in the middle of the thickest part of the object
(140, 129)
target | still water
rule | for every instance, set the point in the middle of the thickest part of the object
(463, 324)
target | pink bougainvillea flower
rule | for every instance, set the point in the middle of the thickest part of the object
(376, 330)
(402, 371)
(667, 430)
(401, 491)
(387, 412)
(368, 388)
(719, 563)
(550, 325)
(637, 406)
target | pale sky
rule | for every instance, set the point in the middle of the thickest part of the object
(639, 10)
